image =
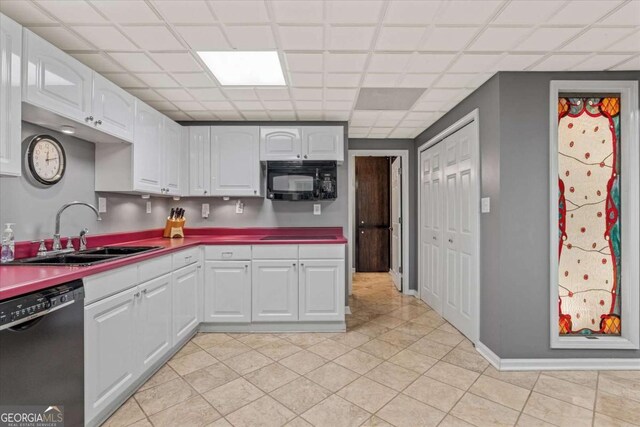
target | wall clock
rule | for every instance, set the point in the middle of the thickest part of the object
(46, 159)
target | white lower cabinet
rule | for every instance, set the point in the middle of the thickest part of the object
(154, 320)
(321, 290)
(227, 292)
(185, 301)
(274, 291)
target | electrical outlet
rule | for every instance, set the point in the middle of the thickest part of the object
(485, 205)
(148, 207)
(239, 207)
(317, 209)
(205, 210)
(102, 204)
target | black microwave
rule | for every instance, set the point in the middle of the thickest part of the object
(302, 180)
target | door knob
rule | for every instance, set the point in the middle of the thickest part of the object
(362, 232)
(450, 240)
(435, 238)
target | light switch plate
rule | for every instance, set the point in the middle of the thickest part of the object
(205, 210)
(317, 209)
(102, 204)
(239, 207)
(485, 205)
(148, 207)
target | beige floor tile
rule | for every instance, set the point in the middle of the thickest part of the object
(155, 399)
(358, 361)
(467, 360)
(431, 319)
(303, 362)
(220, 423)
(376, 422)
(388, 321)
(452, 375)
(329, 349)
(257, 340)
(300, 395)
(466, 345)
(271, 377)
(279, 349)
(232, 396)
(142, 423)
(616, 385)
(188, 348)
(336, 412)
(371, 329)
(227, 349)
(430, 348)
(482, 412)
(367, 394)
(391, 375)
(588, 378)
(305, 340)
(629, 375)
(248, 362)
(415, 329)
(264, 412)
(379, 348)
(210, 377)
(298, 422)
(193, 412)
(163, 375)
(557, 412)
(567, 391)
(129, 413)
(500, 392)
(624, 409)
(415, 361)
(447, 327)
(351, 339)
(208, 339)
(332, 377)
(529, 421)
(446, 338)
(405, 411)
(192, 362)
(521, 379)
(398, 338)
(451, 421)
(434, 393)
(601, 420)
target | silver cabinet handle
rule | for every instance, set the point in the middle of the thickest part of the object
(98, 122)
(144, 291)
(137, 294)
(246, 267)
(88, 119)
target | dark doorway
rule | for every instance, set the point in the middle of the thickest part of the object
(372, 214)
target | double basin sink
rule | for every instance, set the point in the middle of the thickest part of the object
(86, 257)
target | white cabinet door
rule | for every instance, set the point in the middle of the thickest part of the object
(110, 350)
(280, 143)
(185, 301)
(235, 161)
(54, 80)
(113, 109)
(154, 320)
(227, 292)
(147, 149)
(322, 290)
(10, 96)
(275, 291)
(199, 161)
(172, 157)
(323, 143)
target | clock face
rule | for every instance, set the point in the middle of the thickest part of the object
(46, 159)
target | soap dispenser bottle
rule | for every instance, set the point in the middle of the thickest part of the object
(7, 253)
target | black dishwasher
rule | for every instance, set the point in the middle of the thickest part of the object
(42, 352)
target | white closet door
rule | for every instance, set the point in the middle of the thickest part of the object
(396, 222)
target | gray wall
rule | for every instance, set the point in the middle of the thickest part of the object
(515, 258)
(410, 169)
(33, 208)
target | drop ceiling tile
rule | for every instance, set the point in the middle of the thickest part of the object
(309, 115)
(193, 79)
(239, 12)
(632, 64)
(338, 105)
(73, 11)
(448, 38)
(581, 12)
(479, 79)
(309, 105)
(560, 62)
(301, 38)
(125, 80)
(429, 63)
(455, 80)
(256, 115)
(189, 106)
(307, 94)
(105, 37)
(365, 116)
(381, 80)
(345, 62)
(474, 62)
(413, 123)
(388, 62)
(250, 37)
(218, 105)
(177, 115)
(297, 12)
(156, 37)
(428, 106)
(498, 38)
(408, 12)
(527, 12)
(175, 95)
(626, 15)
(353, 11)
(273, 94)
(596, 39)
(628, 44)
(176, 61)
(402, 133)
(342, 80)
(207, 94)
(467, 12)
(241, 94)
(358, 132)
(229, 115)
(24, 12)
(127, 12)
(399, 38)
(384, 122)
(282, 115)
(202, 115)
(600, 62)
(340, 94)
(440, 95)
(278, 105)
(62, 38)
(203, 37)
(306, 62)
(248, 105)
(146, 94)
(157, 80)
(515, 62)
(98, 62)
(306, 79)
(336, 115)
(350, 38)
(136, 62)
(418, 80)
(185, 11)
(162, 106)
(546, 39)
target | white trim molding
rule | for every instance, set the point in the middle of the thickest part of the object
(572, 364)
(629, 217)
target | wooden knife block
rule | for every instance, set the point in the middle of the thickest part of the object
(174, 228)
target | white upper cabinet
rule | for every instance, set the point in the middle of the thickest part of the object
(10, 96)
(323, 143)
(172, 158)
(54, 80)
(280, 143)
(235, 161)
(147, 150)
(199, 161)
(113, 109)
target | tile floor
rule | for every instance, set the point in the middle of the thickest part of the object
(399, 364)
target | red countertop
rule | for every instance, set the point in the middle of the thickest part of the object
(17, 280)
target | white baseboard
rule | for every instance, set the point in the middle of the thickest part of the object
(569, 364)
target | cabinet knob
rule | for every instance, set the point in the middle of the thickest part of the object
(137, 294)
(88, 119)
(305, 156)
(205, 191)
(98, 122)
(144, 291)
(298, 156)
(450, 240)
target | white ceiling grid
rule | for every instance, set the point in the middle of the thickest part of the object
(331, 49)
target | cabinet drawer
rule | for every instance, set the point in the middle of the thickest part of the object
(109, 283)
(236, 252)
(185, 257)
(321, 251)
(154, 267)
(275, 252)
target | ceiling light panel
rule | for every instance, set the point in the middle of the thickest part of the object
(245, 68)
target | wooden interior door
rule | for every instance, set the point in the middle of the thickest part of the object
(372, 214)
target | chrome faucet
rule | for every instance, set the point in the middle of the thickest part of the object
(57, 245)
(83, 239)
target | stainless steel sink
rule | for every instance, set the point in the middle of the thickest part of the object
(118, 250)
(87, 257)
